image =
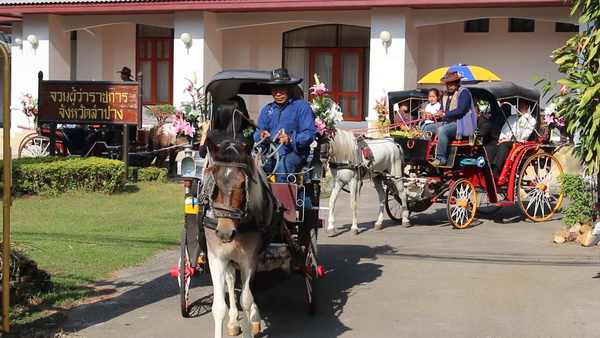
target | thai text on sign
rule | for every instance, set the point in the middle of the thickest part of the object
(94, 102)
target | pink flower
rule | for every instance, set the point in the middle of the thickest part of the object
(319, 90)
(321, 127)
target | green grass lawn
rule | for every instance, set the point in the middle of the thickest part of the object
(81, 238)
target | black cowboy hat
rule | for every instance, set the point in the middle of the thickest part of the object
(126, 71)
(280, 76)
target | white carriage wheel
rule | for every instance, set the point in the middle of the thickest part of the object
(462, 203)
(538, 188)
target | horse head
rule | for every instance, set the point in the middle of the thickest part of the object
(232, 169)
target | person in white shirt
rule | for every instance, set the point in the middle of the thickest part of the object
(517, 128)
(432, 106)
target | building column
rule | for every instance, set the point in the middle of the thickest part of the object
(188, 60)
(392, 66)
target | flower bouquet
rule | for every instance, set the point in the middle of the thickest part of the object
(30, 107)
(327, 112)
(191, 114)
(554, 122)
(383, 115)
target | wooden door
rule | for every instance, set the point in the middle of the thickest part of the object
(341, 69)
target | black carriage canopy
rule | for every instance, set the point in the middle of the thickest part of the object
(497, 94)
(229, 83)
(415, 99)
(504, 97)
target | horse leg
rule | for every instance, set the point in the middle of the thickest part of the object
(219, 307)
(248, 304)
(353, 187)
(405, 212)
(233, 326)
(172, 158)
(337, 186)
(381, 195)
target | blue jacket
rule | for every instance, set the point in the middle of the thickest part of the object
(296, 118)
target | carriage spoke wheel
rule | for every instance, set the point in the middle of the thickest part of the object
(462, 204)
(311, 272)
(483, 204)
(186, 271)
(393, 205)
(35, 146)
(538, 187)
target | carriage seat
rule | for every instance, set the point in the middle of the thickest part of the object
(456, 148)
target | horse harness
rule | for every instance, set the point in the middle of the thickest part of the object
(221, 210)
(247, 221)
(367, 154)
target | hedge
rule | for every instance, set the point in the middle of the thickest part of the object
(56, 175)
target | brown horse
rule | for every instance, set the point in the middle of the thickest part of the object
(162, 139)
(239, 201)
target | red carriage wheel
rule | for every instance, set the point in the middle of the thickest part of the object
(311, 272)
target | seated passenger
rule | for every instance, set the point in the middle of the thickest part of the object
(490, 133)
(432, 107)
(403, 114)
(227, 124)
(517, 128)
(457, 116)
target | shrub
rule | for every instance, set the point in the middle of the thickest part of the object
(155, 111)
(148, 174)
(55, 175)
(581, 210)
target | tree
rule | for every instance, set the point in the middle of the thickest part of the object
(578, 102)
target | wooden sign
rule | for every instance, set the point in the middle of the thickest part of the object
(88, 102)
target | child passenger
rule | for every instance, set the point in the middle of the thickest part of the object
(432, 106)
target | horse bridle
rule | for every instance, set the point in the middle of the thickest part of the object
(221, 210)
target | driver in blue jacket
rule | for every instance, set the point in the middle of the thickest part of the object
(288, 121)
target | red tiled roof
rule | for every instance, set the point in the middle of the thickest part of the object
(20, 7)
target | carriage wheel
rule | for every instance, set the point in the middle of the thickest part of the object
(462, 203)
(393, 205)
(538, 191)
(311, 273)
(35, 145)
(185, 276)
(483, 204)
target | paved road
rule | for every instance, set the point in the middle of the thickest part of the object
(500, 278)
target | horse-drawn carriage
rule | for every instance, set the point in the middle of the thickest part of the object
(232, 210)
(466, 184)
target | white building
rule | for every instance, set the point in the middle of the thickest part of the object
(338, 39)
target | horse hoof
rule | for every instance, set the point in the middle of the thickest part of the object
(255, 328)
(234, 331)
(378, 226)
(330, 232)
(354, 232)
(406, 225)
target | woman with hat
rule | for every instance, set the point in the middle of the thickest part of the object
(287, 120)
(457, 116)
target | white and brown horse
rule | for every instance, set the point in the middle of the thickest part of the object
(348, 167)
(162, 140)
(241, 204)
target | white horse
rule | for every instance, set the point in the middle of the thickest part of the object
(238, 197)
(348, 167)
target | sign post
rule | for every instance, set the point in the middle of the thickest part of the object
(90, 102)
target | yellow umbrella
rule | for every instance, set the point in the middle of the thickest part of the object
(470, 74)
